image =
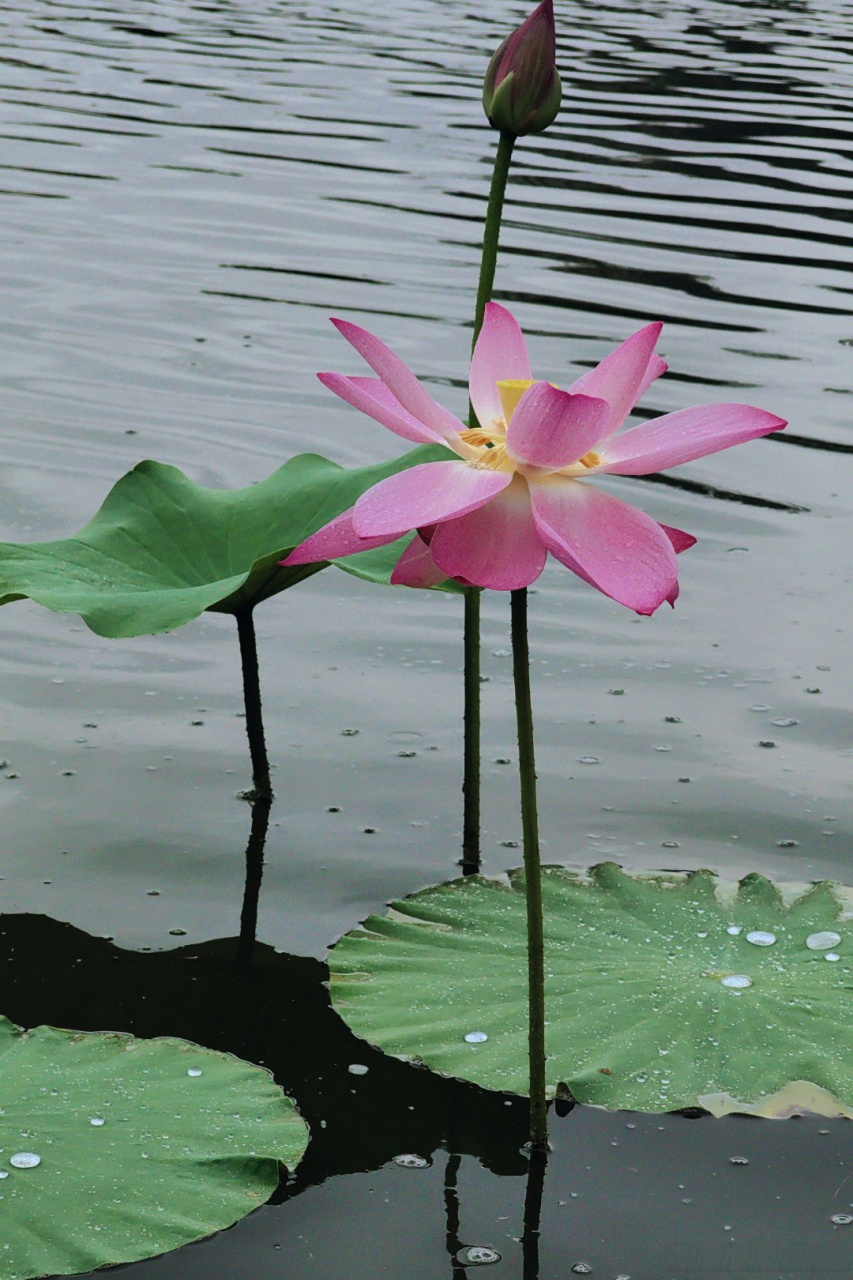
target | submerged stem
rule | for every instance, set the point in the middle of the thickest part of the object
(252, 698)
(471, 783)
(532, 872)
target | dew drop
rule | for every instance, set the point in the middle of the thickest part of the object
(4, 1173)
(822, 941)
(24, 1160)
(477, 1255)
(738, 981)
(734, 930)
(194, 1071)
(357, 1069)
(759, 938)
(97, 1121)
(832, 955)
(476, 1037)
(411, 1161)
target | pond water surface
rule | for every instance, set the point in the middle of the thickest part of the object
(188, 191)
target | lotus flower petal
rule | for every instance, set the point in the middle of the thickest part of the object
(500, 353)
(400, 380)
(495, 546)
(416, 567)
(622, 376)
(426, 494)
(335, 539)
(620, 550)
(373, 398)
(683, 436)
(551, 429)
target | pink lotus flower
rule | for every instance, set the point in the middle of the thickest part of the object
(519, 486)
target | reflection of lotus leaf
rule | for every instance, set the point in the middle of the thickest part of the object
(639, 1014)
(162, 549)
(144, 1145)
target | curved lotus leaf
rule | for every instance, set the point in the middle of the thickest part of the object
(162, 549)
(143, 1145)
(639, 1006)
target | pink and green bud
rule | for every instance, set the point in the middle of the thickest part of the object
(522, 89)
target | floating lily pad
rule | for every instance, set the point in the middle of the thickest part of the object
(655, 995)
(162, 549)
(134, 1146)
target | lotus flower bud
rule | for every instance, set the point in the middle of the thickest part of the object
(522, 90)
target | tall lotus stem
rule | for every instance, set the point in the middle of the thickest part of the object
(532, 873)
(471, 782)
(252, 697)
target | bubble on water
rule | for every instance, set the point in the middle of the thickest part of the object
(738, 1160)
(24, 1160)
(357, 1069)
(476, 1037)
(194, 1071)
(760, 938)
(734, 930)
(410, 1161)
(785, 722)
(842, 1219)
(477, 1255)
(589, 760)
(823, 941)
(97, 1121)
(738, 981)
(582, 1269)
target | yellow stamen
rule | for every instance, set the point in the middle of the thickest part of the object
(510, 391)
(476, 436)
(590, 459)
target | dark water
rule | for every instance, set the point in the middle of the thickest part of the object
(187, 192)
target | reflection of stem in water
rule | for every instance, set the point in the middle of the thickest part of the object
(254, 873)
(252, 696)
(451, 1216)
(533, 1214)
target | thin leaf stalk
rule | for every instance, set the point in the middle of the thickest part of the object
(252, 699)
(532, 872)
(471, 821)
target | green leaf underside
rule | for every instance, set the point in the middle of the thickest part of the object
(637, 1014)
(162, 549)
(176, 1158)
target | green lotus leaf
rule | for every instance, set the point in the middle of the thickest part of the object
(641, 1012)
(142, 1145)
(162, 549)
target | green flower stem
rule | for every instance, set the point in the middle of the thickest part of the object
(491, 233)
(532, 872)
(252, 697)
(471, 782)
(471, 779)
